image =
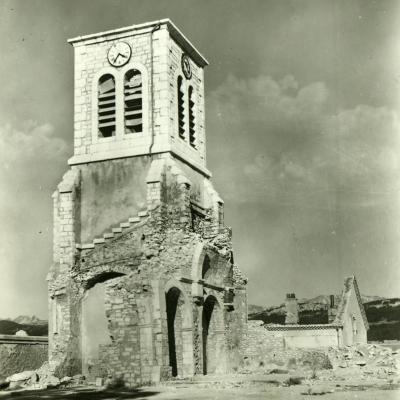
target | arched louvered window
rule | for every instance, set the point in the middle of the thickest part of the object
(181, 108)
(192, 127)
(133, 109)
(106, 106)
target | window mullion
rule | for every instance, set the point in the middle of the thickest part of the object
(120, 107)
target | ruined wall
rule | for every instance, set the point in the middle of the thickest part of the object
(260, 342)
(137, 266)
(312, 338)
(137, 214)
(21, 353)
(353, 325)
(236, 328)
(265, 350)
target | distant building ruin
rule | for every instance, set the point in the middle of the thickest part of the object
(346, 323)
(143, 284)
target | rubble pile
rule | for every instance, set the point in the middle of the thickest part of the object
(370, 359)
(42, 378)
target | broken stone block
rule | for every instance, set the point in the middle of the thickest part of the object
(52, 382)
(66, 379)
(99, 382)
(317, 390)
(15, 385)
(34, 378)
(79, 378)
(279, 371)
(21, 376)
(360, 353)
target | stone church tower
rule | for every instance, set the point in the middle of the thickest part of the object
(143, 284)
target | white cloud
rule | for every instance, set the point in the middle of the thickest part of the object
(32, 160)
(295, 141)
(33, 142)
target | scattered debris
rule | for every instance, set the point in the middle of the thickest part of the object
(317, 391)
(293, 380)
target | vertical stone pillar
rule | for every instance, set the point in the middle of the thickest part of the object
(64, 302)
(158, 311)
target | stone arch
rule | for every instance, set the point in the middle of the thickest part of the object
(102, 277)
(179, 329)
(209, 265)
(206, 267)
(213, 336)
(100, 274)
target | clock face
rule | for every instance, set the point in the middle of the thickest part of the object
(186, 68)
(119, 54)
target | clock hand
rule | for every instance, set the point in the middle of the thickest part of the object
(116, 58)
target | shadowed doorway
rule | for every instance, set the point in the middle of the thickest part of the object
(208, 322)
(174, 303)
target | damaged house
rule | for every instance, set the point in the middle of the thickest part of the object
(143, 284)
(346, 322)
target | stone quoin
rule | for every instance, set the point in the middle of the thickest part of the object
(143, 285)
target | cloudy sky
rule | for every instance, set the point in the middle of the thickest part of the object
(302, 112)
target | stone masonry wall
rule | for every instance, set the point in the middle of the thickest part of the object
(158, 57)
(138, 266)
(138, 214)
(261, 346)
(17, 356)
(267, 350)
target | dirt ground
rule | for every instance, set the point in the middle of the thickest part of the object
(163, 393)
(269, 387)
(362, 372)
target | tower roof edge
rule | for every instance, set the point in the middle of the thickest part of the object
(175, 33)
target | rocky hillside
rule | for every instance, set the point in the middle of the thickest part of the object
(383, 314)
(26, 320)
(33, 326)
(384, 319)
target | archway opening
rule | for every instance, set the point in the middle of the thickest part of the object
(95, 335)
(208, 322)
(206, 269)
(174, 304)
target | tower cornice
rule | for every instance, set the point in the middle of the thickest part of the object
(139, 29)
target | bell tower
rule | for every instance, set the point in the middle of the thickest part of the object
(140, 247)
(139, 91)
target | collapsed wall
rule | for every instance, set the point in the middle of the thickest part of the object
(172, 302)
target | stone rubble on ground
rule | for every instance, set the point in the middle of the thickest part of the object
(42, 378)
(366, 359)
(364, 365)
